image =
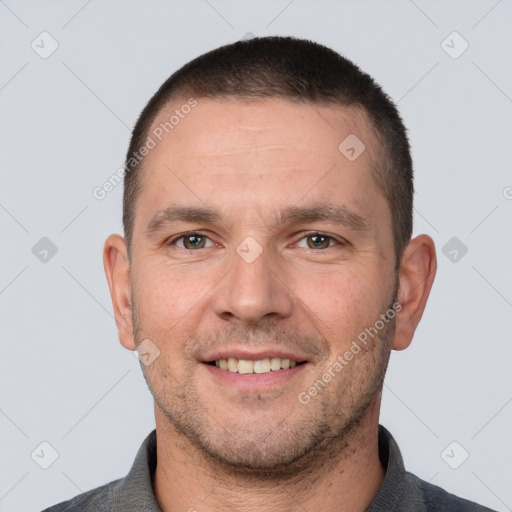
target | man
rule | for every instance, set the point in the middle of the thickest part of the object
(266, 273)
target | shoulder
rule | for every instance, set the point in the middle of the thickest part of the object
(435, 498)
(100, 499)
(402, 491)
(134, 492)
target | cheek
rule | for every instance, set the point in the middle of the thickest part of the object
(168, 299)
(341, 303)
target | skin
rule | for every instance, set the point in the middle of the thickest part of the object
(220, 447)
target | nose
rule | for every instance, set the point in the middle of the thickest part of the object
(253, 290)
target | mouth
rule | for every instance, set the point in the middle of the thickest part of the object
(255, 367)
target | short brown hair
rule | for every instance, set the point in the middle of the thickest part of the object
(297, 70)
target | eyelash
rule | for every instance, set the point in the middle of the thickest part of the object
(305, 235)
(324, 235)
(173, 241)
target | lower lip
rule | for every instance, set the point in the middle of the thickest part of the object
(254, 381)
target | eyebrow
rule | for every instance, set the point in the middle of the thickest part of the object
(172, 214)
(333, 213)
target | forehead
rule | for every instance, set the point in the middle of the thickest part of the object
(231, 125)
(251, 155)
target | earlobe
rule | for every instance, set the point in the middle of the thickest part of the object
(417, 272)
(117, 271)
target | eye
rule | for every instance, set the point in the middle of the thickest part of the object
(192, 241)
(317, 241)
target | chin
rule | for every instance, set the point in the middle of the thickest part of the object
(252, 460)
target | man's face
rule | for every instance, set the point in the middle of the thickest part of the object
(275, 246)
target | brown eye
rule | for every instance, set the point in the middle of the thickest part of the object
(318, 241)
(192, 241)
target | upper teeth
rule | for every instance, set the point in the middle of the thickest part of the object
(260, 366)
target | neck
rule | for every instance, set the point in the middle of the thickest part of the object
(346, 479)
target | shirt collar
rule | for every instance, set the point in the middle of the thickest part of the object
(135, 491)
(392, 490)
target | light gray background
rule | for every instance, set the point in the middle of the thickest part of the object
(66, 121)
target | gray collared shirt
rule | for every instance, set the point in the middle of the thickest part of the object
(401, 491)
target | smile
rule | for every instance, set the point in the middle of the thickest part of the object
(246, 366)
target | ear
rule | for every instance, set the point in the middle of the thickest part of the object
(417, 272)
(117, 270)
